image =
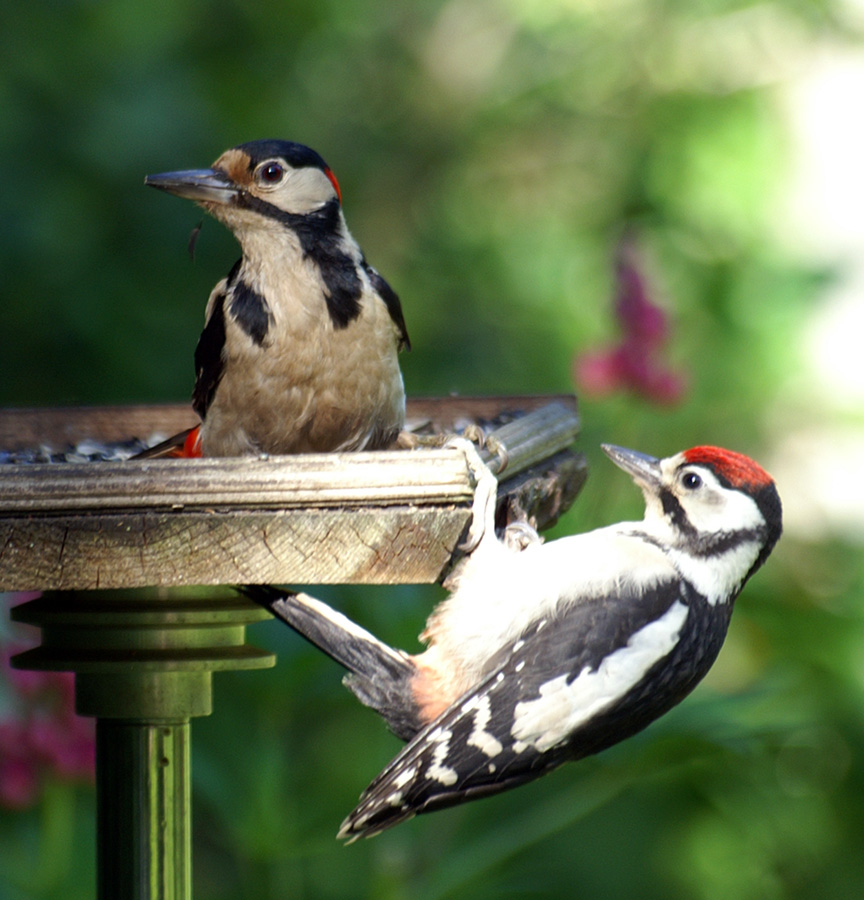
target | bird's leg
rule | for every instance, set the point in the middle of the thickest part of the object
(473, 439)
(485, 494)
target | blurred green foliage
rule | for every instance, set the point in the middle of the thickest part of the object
(490, 156)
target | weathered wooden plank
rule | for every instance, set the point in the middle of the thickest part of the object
(286, 482)
(372, 544)
(387, 517)
(396, 545)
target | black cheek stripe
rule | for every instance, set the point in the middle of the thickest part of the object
(673, 509)
(319, 239)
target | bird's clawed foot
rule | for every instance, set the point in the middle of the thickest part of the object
(473, 433)
(485, 493)
(471, 441)
(520, 535)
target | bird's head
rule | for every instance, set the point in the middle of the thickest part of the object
(708, 503)
(257, 184)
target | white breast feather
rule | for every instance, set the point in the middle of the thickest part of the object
(501, 591)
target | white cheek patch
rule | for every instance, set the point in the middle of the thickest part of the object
(302, 191)
(718, 506)
(562, 707)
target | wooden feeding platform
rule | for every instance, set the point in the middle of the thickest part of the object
(134, 558)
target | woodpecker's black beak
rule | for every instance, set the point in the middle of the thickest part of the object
(643, 469)
(203, 185)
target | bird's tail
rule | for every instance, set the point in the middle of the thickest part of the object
(185, 445)
(379, 676)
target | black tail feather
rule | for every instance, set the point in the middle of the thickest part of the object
(380, 677)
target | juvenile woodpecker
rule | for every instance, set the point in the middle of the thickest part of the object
(555, 651)
(299, 348)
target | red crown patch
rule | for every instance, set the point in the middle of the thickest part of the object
(739, 470)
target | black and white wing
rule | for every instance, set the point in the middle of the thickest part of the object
(571, 685)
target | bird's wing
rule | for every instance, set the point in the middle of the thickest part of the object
(209, 353)
(392, 302)
(555, 693)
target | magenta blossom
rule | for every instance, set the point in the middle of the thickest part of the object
(40, 735)
(635, 362)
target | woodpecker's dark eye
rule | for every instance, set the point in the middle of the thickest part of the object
(691, 481)
(271, 173)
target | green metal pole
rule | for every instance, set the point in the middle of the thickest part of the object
(143, 664)
(143, 808)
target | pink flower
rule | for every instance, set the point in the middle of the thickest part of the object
(19, 779)
(40, 735)
(634, 363)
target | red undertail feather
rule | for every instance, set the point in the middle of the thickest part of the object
(192, 445)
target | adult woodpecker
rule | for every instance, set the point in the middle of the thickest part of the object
(556, 651)
(299, 348)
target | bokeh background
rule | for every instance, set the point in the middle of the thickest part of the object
(499, 159)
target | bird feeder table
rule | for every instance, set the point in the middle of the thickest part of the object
(133, 558)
